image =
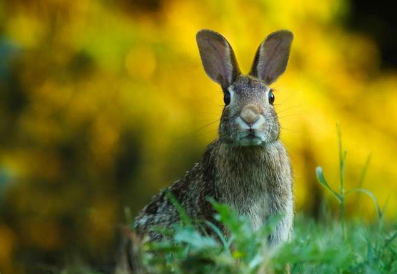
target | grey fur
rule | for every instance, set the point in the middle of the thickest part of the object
(247, 167)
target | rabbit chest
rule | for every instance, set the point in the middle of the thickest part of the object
(247, 194)
(256, 183)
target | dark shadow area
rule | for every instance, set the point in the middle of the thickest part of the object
(379, 21)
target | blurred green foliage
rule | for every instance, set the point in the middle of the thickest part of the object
(104, 102)
(329, 246)
(314, 248)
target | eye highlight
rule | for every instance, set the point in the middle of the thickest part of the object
(271, 97)
(226, 97)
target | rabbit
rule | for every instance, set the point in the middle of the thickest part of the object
(247, 167)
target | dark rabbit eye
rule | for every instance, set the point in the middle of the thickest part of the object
(271, 97)
(226, 97)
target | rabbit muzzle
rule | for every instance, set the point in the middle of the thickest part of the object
(251, 124)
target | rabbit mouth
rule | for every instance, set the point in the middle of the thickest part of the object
(251, 139)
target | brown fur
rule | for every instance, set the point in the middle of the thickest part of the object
(254, 178)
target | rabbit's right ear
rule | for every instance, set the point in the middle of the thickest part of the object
(217, 57)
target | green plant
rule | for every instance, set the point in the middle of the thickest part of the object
(341, 196)
(314, 248)
(330, 246)
(327, 247)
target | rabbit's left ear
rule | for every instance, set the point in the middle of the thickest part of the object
(271, 58)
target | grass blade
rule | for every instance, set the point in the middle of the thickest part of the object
(365, 170)
(371, 195)
(222, 237)
(181, 211)
(321, 179)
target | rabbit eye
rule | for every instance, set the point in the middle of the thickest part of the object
(226, 97)
(271, 97)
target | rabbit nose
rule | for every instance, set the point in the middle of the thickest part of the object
(250, 114)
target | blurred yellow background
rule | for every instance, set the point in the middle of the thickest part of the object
(102, 103)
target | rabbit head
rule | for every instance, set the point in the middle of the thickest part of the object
(249, 117)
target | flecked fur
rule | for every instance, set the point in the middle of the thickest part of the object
(255, 180)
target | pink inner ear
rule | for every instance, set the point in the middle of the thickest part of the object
(224, 68)
(266, 68)
(217, 57)
(272, 56)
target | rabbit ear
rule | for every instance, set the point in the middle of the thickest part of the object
(272, 56)
(217, 57)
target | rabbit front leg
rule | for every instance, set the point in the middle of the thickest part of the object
(283, 229)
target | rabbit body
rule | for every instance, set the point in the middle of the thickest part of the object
(247, 167)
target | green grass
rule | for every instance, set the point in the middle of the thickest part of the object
(329, 246)
(314, 248)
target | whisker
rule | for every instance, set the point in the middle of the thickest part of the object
(294, 130)
(199, 129)
(205, 119)
(296, 114)
(197, 135)
(285, 100)
(289, 149)
(281, 111)
(210, 113)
